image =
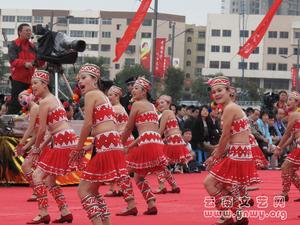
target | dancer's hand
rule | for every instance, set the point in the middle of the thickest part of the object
(209, 162)
(125, 150)
(277, 151)
(20, 150)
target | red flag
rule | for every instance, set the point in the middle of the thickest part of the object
(132, 29)
(294, 75)
(159, 57)
(260, 31)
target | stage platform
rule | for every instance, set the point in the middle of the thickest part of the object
(186, 208)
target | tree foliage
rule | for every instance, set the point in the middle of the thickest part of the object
(200, 90)
(174, 84)
(2, 65)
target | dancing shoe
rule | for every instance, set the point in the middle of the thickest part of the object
(113, 194)
(175, 190)
(130, 212)
(161, 191)
(151, 211)
(32, 199)
(43, 219)
(119, 194)
(243, 221)
(67, 218)
(226, 222)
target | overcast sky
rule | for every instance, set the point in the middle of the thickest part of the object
(195, 10)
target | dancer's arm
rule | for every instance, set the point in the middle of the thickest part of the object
(32, 115)
(163, 121)
(130, 124)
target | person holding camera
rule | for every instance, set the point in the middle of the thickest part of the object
(23, 62)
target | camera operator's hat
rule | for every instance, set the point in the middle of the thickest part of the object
(90, 69)
(42, 75)
(143, 82)
(221, 80)
(295, 94)
(130, 80)
(117, 90)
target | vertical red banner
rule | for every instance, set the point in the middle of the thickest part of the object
(167, 63)
(159, 57)
(294, 74)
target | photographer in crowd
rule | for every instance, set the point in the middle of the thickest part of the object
(23, 61)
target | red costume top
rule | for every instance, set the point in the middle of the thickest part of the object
(239, 126)
(57, 115)
(147, 117)
(102, 113)
(296, 126)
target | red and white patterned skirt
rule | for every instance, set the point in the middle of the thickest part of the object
(148, 156)
(108, 159)
(175, 149)
(257, 154)
(237, 167)
(55, 159)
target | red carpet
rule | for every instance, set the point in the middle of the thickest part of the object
(185, 208)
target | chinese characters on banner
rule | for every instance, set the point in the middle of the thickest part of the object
(145, 52)
(159, 57)
(294, 74)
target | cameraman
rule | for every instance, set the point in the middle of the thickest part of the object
(23, 59)
(282, 102)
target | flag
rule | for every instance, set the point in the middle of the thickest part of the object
(260, 31)
(159, 57)
(132, 29)
(294, 75)
(145, 52)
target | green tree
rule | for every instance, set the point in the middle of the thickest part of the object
(200, 91)
(130, 71)
(174, 83)
(2, 65)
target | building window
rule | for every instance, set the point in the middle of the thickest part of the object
(91, 20)
(226, 49)
(130, 49)
(284, 34)
(214, 64)
(215, 48)
(38, 19)
(187, 76)
(272, 34)
(62, 20)
(91, 34)
(147, 23)
(189, 52)
(146, 35)
(24, 19)
(276, 84)
(106, 34)
(201, 34)
(129, 62)
(226, 33)
(117, 66)
(225, 65)
(118, 26)
(200, 59)
(94, 47)
(272, 51)
(189, 39)
(200, 47)
(282, 67)
(106, 21)
(106, 60)
(105, 48)
(271, 66)
(76, 20)
(8, 31)
(215, 33)
(198, 71)
(296, 51)
(62, 31)
(76, 33)
(283, 51)
(188, 63)
(243, 65)
(244, 33)
(118, 39)
(254, 66)
(297, 35)
(8, 18)
(256, 51)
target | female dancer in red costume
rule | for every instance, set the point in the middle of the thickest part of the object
(53, 161)
(148, 155)
(108, 159)
(175, 147)
(114, 94)
(26, 100)
(292, 161)
(231, 166)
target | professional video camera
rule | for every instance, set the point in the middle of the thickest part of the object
(57, 47)
(268, 100)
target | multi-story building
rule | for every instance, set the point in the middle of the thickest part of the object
(194, 55)
(288, 7)
(101, 30)
(268, 66)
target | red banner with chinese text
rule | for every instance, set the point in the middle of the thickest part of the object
(260, 31)
(159, 57)
(294, 74)
(132, 29)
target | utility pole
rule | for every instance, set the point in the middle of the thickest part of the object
(152, 77)
(173, 42)
(243, 42)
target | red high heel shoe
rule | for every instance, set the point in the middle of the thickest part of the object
(151, 211)
(226, 222)
(43, 219)
(175, 190)
(32, 199)
(130, 212)
(67, 218)
(161, 191)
